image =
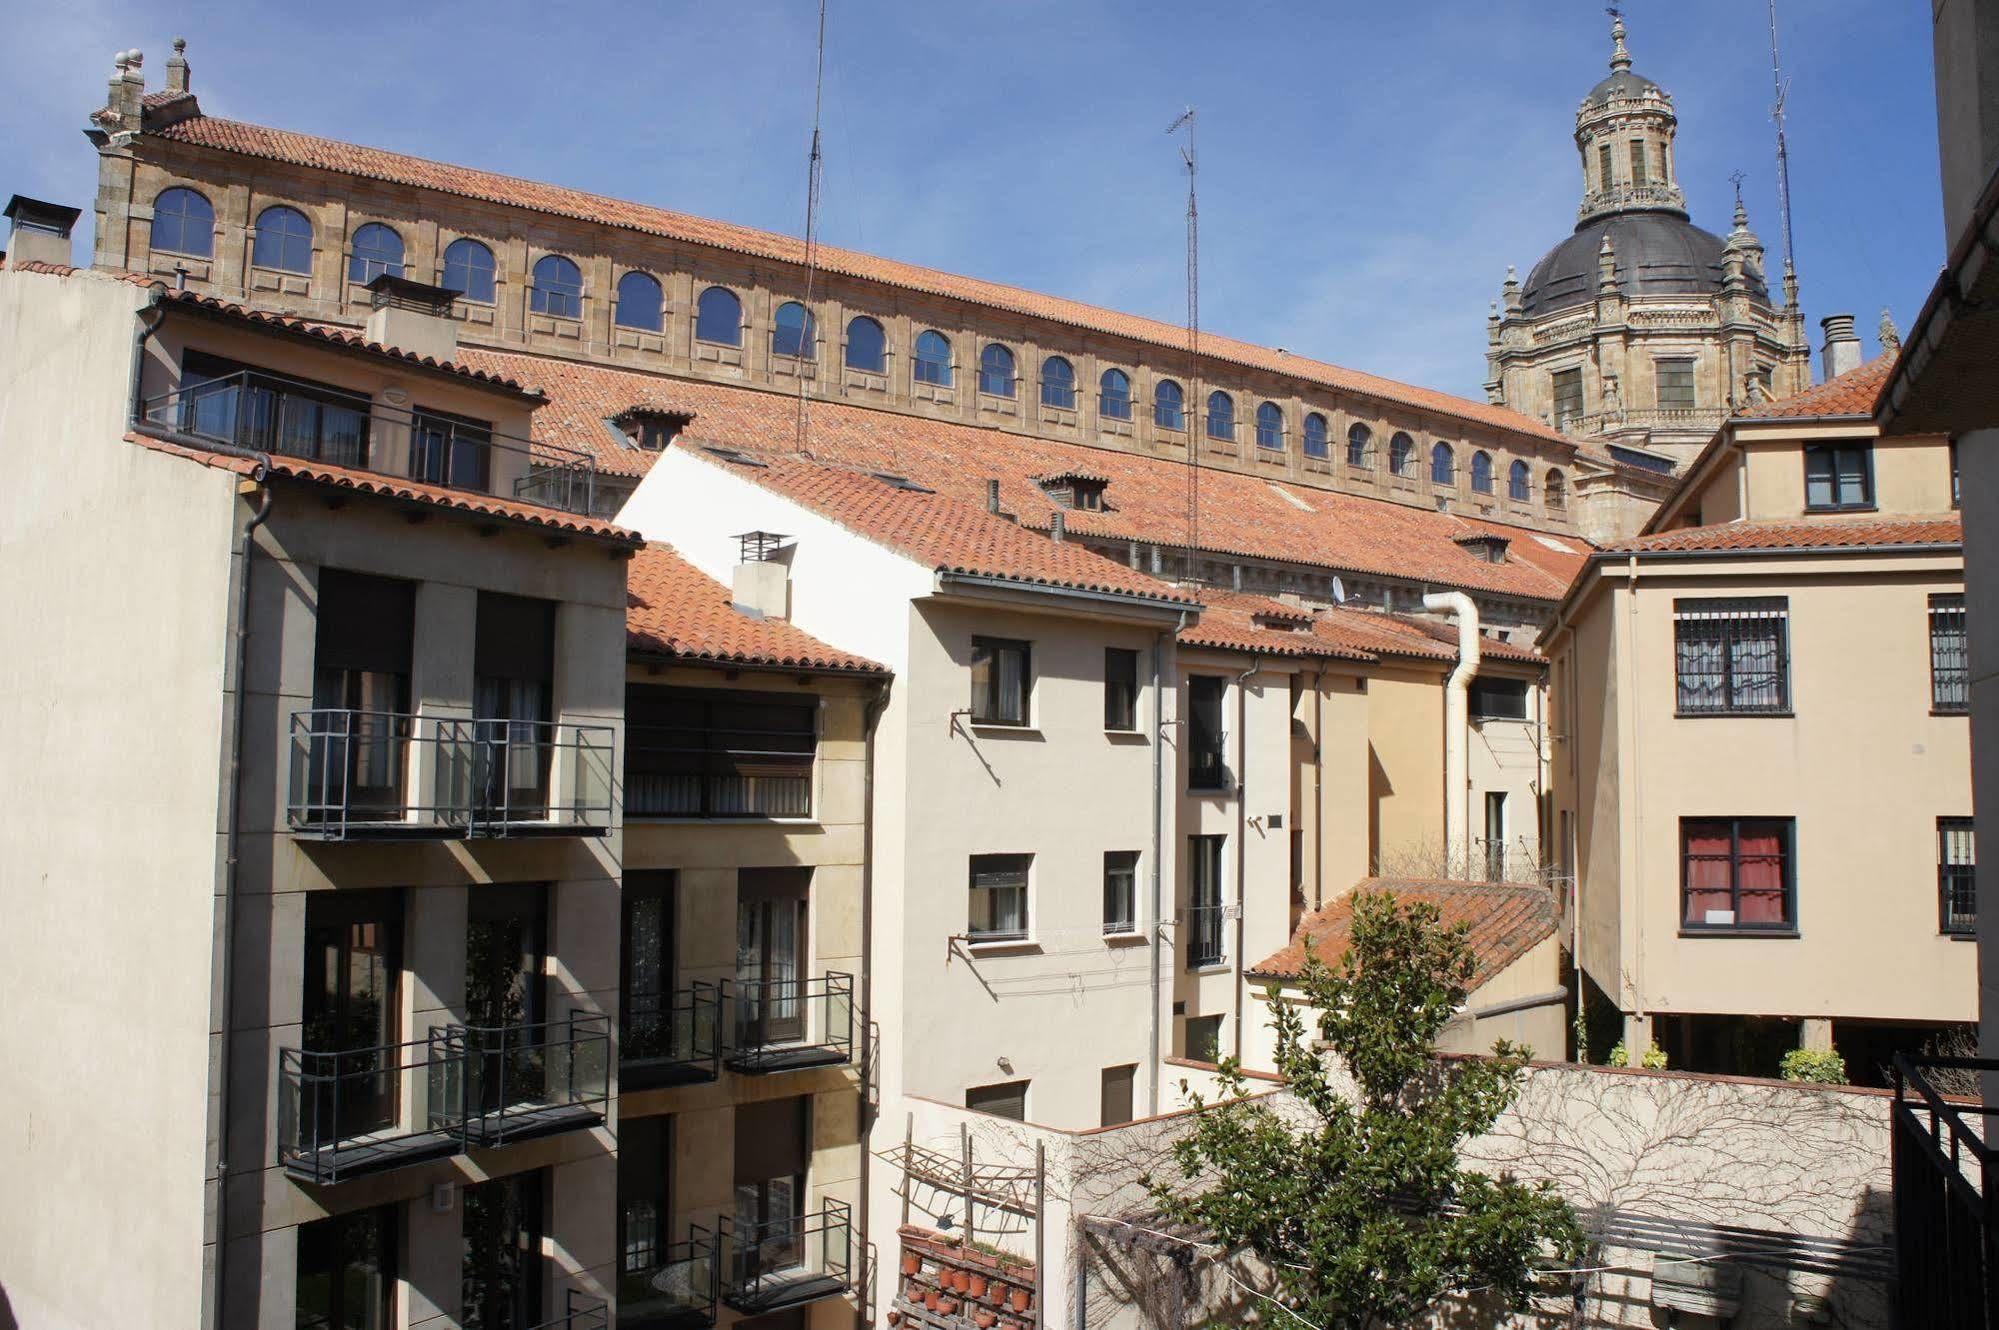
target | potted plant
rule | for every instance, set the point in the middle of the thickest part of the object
(910, 1263)
(977, 1287)
(984, 1319)
(1017, 1299)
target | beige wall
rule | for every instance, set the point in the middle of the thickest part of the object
(1911, 473)
(1405, 727)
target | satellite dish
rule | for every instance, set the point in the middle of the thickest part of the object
(1339, 592)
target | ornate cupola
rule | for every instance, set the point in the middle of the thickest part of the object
(1624, 130)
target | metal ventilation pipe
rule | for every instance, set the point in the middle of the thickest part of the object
(993, 496)
(1457, 735)
(1056, 527)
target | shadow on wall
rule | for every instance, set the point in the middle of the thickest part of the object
(7, 1321)
(1379, 787)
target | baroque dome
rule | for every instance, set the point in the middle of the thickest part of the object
(1657, 253)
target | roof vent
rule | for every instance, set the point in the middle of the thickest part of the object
(650, 430)
(1080, 490)
(733, 455)
(901, 482)
(1484, 545)
(41, 230)
(761, 587)
(759, 546)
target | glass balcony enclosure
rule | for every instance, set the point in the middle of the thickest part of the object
(779, 1025)
(670, 1038)
(787, 1261)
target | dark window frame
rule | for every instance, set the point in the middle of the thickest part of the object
(931, 362)
(1169, 406)
(643, 309)
(1120, 893)
(1483, 480)
(555, 287)
(1565, 394)
(1058, 383)
(1826, 459)
(986, 704)
(1788, 831)
(171, 206)
(1678, 372)
(999, 370)
(1001, 1099)
(1316, 439)
(774, 738)
(1519, 482)
(794, 337)
(1718, 677)
(879, 342)
(272, 248)
(1221, 417)
(1114, 395)
(999, 872)
(477, 279)
(368, 258)
(1210, 1047)
(1270, 426)
(1207, 905)
(1957, 878)
(1120, 690)
(1492, 697)
(1950, 658)
(332, 1235)
(1360, 447)
(1207, 745)
(708, 313)
(1443, 465)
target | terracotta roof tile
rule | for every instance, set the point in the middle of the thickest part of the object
(1825, 533)
(1145, 500)
(1504, 922)
(1853, 393)
(1233, 621)
(374, 163)
(674, 609)
(1384, 634)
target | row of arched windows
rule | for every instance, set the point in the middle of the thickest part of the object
(184, 223)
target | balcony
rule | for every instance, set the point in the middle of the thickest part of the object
(578, 1313)
(1697, 419)
(778, 1025)
(787, 1262)
(344, 1114)
(1206, 936)
(257, 412)
(353, 774)
(1946, 1226)
(675, 772)
(671, 1038)
(670, 1288)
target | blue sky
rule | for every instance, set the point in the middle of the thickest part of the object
(1367, 170)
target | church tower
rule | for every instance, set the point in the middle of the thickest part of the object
(1640, 332)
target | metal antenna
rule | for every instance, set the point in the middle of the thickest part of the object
(1193, 405)
(1783, 92)
(814, 174)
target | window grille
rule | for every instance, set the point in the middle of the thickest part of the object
(1950, 665)
(1206, 914)
(1731, 656)
(1957, 882)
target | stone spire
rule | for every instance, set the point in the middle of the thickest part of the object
(1620, 58)
(177, 67)
(1891, 336)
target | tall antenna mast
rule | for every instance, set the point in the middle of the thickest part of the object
(1193, 405)
(814, 173)
(1783, 92)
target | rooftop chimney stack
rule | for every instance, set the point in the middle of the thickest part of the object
(411, 316)
(992, 496)
(41, 231)
(1842, 346)
(1056, 527)
(761, 587)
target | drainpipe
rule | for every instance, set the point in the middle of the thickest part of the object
(870, 717)
(225, 981)
(1318, 791)
(151, 316)
(1158, 846)
(1242, 835)
(1457, 740)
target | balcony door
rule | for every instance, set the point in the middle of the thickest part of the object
(648, 968)
(353, 968)
(773, 1145)
(501, 1262)
(346, 1276)
(506, 936)
(359, 732)
(771, 953)
(513, 686)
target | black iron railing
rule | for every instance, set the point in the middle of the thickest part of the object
(528, 1079)
(254, 411)
(353, 774)
(787, 1262)
(670, 1038)
(674, 771)
(664, 1288)
(578, 1313)
(1946, 1224)
(538, 776)
(1205, 934)
(781, 1024)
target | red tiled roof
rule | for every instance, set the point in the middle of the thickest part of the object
(674, 609)
(1386, 634)
(1504, 923)
(1229, 622)
(1241, 514)
(945, 533)
(1853, 393)
(1825, 533)
(397, 168)
(552, 520)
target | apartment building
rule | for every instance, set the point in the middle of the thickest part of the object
(1762, 771)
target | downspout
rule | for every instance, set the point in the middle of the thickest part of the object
(1637, 859)
(1457, 741)
(1318, 791)
(151, 316)
(870, 717)
(1242, 837)
(1158, 846)
(245, 546)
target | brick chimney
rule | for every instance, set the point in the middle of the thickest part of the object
(1842, 346)
(761, 586)
(412, 317)
(41, 230)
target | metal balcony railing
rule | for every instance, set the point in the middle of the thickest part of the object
(671, 1038)
(667, 1288)
(353, 774)
(1946, 1224)
(717, 773)
(538, 777)
(258, 412)
(1205, 933)
(786, 1024)
(350, 1112)
(1207, 760)
(784, 1263)
(578, 1313)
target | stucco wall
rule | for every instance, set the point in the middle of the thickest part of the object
(1405, 726)
(1911, 473)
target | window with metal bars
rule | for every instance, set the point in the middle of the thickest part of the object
(1950, 665)
(1205, 911)
(1957, 879)
(1732, 656)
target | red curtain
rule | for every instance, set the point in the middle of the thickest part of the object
(1760, 874)
(1707, 871)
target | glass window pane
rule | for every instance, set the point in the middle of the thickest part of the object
(640, 303)
(718, 317)
(468, 270)
(867, 345)
(792, 332)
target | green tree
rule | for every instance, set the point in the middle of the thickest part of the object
(1357, 1203)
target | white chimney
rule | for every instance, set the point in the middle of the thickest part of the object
(761, 586)
(41, 231)
(1842, 346)
(411, 316)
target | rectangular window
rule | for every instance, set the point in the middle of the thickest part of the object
(449, 450)
(1498, 699)
(718, 754)
(999, 897)
(643, 1199)
(1950, 661)
(1603, 180)
(1736, 874)
(1206, 739)
(1120, 689)
(1675, 381)
(502, 1263)
(1639, 175)
(1005, 1100)
(1732, 656)
(1839, 477)
(1205, 912)
(1120, 891)
(1204, 1038)
(999, 681)
(1116, 1098)
(1957, 879)
(1568, 394)
(513, 668)
(347, 1271)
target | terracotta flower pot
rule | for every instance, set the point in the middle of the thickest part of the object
(984, 1319)
(910, 1263)
(977, 1286)
(947, 1307)
(895, 1318)
(1018, 1299)
(996, 1293)
(933, 1299)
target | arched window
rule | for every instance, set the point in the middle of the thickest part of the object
(718, 317)
(1058, 383)
(933, 358)
(640, 303)
(996, 371)
(183, 223)
(793, 332)
(1557, 490)
(867, 345)
(1360, 448)
(468, 270)
(1481, 472)
(1401, 454)
(1317, 436)
(1519, 482)
(284, 240)
(557, 288)
(1443, 466)
(1114, 395)
(1221, 417)
(1269, 426)
(1168, 406)
(377, 250)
